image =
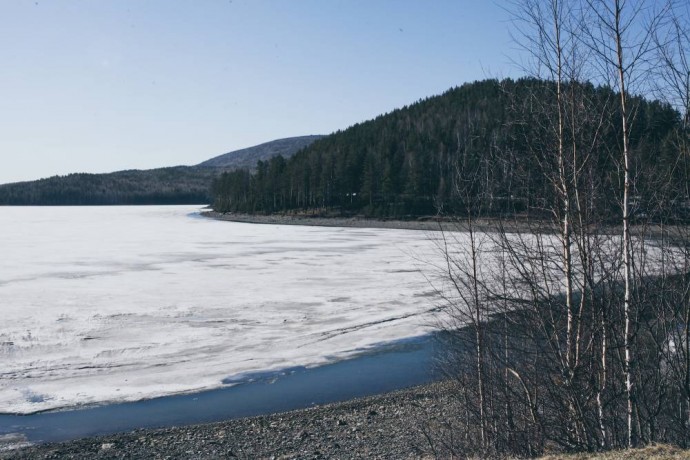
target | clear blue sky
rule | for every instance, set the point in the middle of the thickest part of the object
(98, 86)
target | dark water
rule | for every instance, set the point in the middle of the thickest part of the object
(398, 365)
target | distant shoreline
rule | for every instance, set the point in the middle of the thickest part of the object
(428, 223)
(432, 224)
(319, 221)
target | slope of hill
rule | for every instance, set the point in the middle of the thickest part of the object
(173, 185)
(478, 140)
(247, 158)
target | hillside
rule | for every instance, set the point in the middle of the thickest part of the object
(173, 185)
(475, 140)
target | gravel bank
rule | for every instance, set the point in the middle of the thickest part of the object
(299, 219)
(429, 223)
(384, 426)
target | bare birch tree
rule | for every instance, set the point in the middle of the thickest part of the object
(581, 338)
(620, 34)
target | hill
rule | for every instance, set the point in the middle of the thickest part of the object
(173, 185)
(248, 158)
(477, 139)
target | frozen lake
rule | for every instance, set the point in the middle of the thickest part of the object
(114, 304)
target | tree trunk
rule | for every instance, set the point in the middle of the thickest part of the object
(627, 249)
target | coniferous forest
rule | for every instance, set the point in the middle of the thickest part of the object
(175, 185)
(409, 163)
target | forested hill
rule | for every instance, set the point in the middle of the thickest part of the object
(173, 185)
(477, 139)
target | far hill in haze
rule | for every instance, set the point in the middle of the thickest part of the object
(247, 158)
(173, 185)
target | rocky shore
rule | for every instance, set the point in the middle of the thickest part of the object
(433, 223)
(391, 425)
(427, 223)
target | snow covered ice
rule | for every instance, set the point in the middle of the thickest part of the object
(104, 304)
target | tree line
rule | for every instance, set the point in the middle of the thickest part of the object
(175, 185)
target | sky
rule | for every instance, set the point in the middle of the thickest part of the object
(100, 86)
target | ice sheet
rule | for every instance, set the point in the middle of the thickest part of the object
(104, 304)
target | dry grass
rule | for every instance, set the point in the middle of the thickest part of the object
(657, 452)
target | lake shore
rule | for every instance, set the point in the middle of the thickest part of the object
(518, 224)
(320, 221)
(390, 425)
(427, 223)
